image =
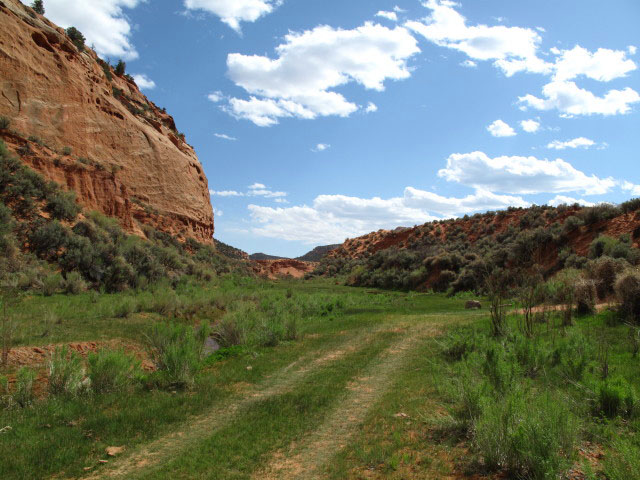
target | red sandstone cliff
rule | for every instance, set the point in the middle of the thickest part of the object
(102, 138)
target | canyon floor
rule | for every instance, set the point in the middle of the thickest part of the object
(364, 393)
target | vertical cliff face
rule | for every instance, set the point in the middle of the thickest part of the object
(94, 134)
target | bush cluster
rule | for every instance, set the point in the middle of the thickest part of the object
(513, 428)
(76, 37)
(93, 252)
(442, 257)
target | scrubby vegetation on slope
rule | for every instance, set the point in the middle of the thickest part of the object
(458, 255)
(48, 244)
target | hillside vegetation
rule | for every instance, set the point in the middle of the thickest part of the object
(458, 255)
(49, 244)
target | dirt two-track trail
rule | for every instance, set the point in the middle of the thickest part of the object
(306, 458)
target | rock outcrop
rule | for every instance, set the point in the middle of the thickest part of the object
(274, 269)
(78, 123)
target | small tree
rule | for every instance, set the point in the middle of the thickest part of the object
(529, 295)
(121, 67)
(628, 292)
(8, 295)
(566, 294)
(76, 37)
(38, 7)
(585, 296)
(497, 283)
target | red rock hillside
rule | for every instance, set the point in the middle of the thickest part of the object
(579, 240)
(98, 136)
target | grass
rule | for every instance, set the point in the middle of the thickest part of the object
(253, 406)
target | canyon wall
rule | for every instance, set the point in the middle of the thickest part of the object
(78, 123)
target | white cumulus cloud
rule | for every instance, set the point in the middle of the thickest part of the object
(521, 175)
(580, 142)
(261, 190)
(512, 49)
(561, 199)
(501, 129)
(255, 190)
(469, 64)
(298, 82)
(332, 218)
(233, 12)
(602, 65)
(144, 82)
(216, 96)
(570, 99)
(104, 23)
(631, 188)
(530, 126)
(224, 136)
(226, 193)
(371, 107)
(517, 49)
(393, 16)
(321, 147)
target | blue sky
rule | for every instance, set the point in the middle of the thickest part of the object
(318, 120)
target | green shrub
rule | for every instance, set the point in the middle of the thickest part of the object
(165, 302)
(66, 151)
(124, 308)
(531, 354)
(38, 7)
(52, 284)
(112, 371)
(291, 328)
(585, 296)
(471, 397)
(120, 68)
(5, 123)
(48, 238)
(528, 436)
(604, 271)
(76, 37)
(630, 206)
(74, 283)
(616, 397)
(622, 462)
(62, 205)
(177, 351)
(498, 367)
(228, 332)
(615, 248)
(119, 275)
(66, 373)
(572, 223)
(24, 394)
(573, 355)
(6, 399)
(627, 289)
(458, 345)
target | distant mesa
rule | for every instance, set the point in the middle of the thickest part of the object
(314, 255)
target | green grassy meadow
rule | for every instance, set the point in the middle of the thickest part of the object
(355, 383)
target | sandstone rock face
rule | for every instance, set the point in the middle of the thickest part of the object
(274, 269)
(100, 137)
